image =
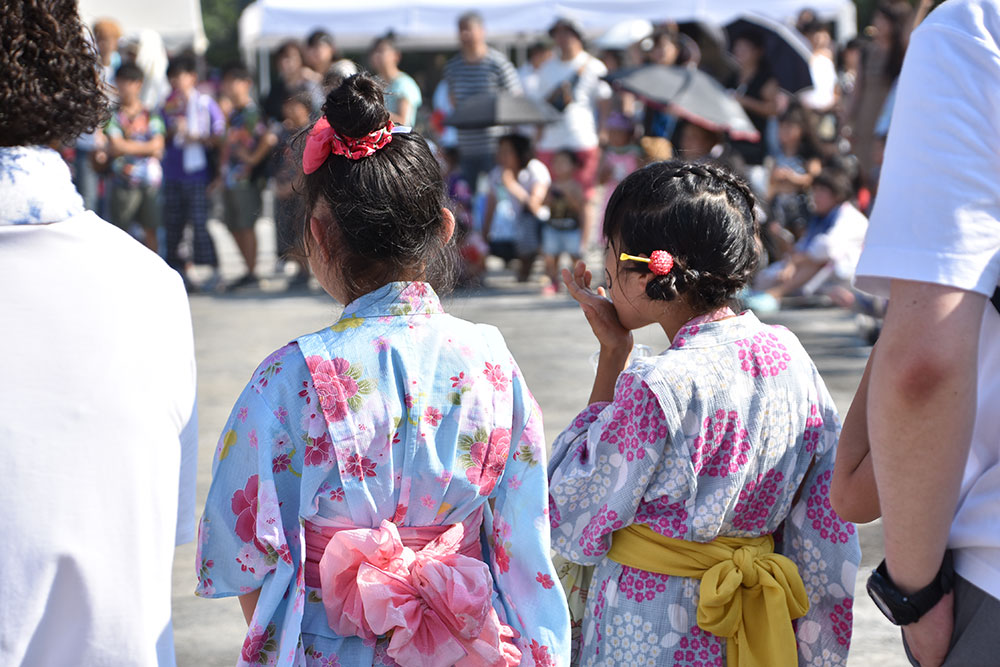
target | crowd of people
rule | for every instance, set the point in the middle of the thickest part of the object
(176, 145)
(382, 492)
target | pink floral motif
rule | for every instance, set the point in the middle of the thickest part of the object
(432, 416)
(458, 380)
(545, 580)
(244, 506)
(540, 653)
(334, 385)
(555, 518)
(820, 512)
(599, 605)
(699, 649)
(243, 414)
(814, 429)
(281, 414)
(318, 450)
(842, 618)
(757, 500)
(637, 421)
(360, 466)
(337, 495)
(721, 449)
(604, 523)
(253, 646)
(427, 501)
(500, 555)
(764, 355)
(666, 518)
(489, 460)
(280, 463)
(496, 377)
(641, 585)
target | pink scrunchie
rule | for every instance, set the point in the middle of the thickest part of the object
(324, 140)
(436, 602)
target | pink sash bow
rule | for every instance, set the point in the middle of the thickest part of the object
(427, 586)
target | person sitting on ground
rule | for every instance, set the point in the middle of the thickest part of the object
(135, 144)
(824, 259)
(379, 492)
(795, 167)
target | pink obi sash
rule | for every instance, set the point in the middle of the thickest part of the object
(426, 586)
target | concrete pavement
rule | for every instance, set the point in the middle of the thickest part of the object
(552, 344)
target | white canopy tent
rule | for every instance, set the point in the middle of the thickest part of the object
(177, 21)
(431, 23)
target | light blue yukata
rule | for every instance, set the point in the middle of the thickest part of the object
(397, 412)
(714, 437)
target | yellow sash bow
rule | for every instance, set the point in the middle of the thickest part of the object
(749, 594)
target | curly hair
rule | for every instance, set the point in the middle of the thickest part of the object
(51, 89)
(701, 214)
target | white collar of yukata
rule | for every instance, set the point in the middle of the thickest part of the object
(719, 332)
(395, 299)
(36, 187)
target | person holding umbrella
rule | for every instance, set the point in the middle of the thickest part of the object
(756, 90)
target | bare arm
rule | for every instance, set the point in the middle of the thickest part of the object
(768, 104)
(122, 146)
(920, 418)
(248, 602)
(491, 207)
(399, 118)
(853, 491)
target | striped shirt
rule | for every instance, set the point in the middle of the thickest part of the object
(491, 74)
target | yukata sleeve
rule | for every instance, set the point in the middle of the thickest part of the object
(250, 528)
(827, 552)
(601, 467)
(519, 542)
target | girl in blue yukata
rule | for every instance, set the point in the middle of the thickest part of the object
(379, 492)
(696, 482)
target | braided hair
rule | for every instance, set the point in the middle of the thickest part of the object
(701, 214)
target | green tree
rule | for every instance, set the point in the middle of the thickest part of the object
(221, 19)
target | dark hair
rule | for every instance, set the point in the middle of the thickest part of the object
(701, 214)
(319, 36)
(182, 64)
(236, 71)
(385, 208)
(753, 36)
(389, 39)
(303, 98)
(538, 47)
(837, 180)
(567, 153)
(51, 88)
(899, 13)
(289, 45)
(798, 114)
(129, 72)
(521, 145)
(470, 17)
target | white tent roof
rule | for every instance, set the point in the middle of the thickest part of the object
(431, 23)
(178, 21)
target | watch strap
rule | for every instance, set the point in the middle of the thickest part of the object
(918, 603)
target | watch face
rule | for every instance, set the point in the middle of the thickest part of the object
(875, 594)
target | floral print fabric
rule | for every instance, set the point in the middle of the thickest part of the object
(397, 412)
(729, 432)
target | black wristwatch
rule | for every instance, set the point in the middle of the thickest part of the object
(901, 608)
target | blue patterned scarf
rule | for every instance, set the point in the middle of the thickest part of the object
(35, 187)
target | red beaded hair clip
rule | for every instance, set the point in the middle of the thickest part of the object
(660, 261)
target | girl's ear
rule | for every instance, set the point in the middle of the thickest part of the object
(447, 226)
(317, 229)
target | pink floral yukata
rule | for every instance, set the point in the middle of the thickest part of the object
(713, 437)
(397, 413)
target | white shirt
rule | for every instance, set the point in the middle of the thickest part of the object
(509, 209)
(824, 77)
(577, 127)
(98, 439)
(937, 220)
(841, 244)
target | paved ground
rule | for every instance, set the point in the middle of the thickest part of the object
(550, 340)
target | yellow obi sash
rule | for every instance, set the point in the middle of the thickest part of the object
(749, 594)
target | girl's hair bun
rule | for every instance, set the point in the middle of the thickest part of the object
(356, 107)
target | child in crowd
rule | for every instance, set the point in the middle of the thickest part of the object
(471, 246)
(709, 462)
(517, 189)
(379, 492)
(287, 208)
(824, 259)
(561, 231)
(135, 145)
(194, 124)
(245, 150)
(621, 156)
(794, 169)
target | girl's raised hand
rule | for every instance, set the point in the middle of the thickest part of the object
(598, 309)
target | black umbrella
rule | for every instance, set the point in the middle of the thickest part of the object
(489, 109)
(785, 49)
(689, 94)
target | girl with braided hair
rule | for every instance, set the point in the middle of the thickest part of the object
(695, 483)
